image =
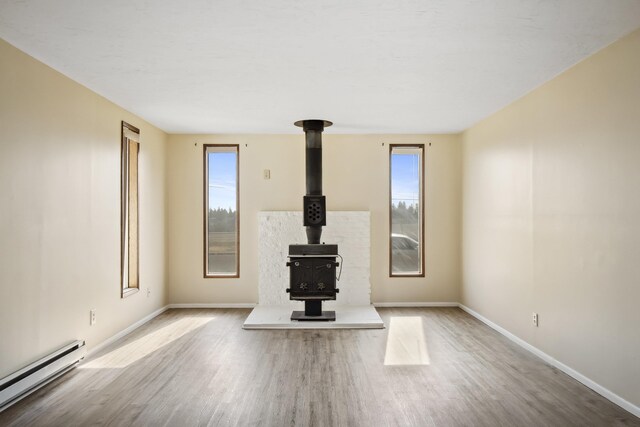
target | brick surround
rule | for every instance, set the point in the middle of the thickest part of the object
(349, 229)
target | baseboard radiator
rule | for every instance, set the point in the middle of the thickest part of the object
(27, 380)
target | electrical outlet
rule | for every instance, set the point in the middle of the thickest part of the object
(266, 174)
(92, 317)
(535, 319)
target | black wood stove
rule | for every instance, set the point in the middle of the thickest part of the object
(312, 267)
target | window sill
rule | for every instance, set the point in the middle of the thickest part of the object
(129, 291)
(396, 275)
(222, 276)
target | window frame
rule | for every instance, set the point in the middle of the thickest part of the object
(205, 210)
(127, 130)
(422, 243)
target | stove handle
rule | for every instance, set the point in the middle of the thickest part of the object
(328, 264)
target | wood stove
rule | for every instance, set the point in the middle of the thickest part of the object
(312, 267)
(313, 279)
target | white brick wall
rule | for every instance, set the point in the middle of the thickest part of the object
(350, 230)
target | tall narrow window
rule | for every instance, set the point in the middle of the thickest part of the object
(406, 237)
(129, 231)
(221, 213)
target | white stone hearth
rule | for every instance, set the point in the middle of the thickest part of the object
(347, 317)
(350, 230)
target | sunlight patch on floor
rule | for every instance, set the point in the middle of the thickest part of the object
(143, 346)
(406, 344)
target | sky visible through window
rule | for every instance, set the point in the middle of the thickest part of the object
(404, 179)
(222, 181)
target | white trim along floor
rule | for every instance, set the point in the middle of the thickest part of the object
(250, 324)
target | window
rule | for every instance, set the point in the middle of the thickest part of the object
(406, 236)
(129, 218)
(221, 213)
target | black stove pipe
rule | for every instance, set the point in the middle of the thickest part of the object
(313, 154)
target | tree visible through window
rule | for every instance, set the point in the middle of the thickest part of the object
(405, 210)
(221, 240)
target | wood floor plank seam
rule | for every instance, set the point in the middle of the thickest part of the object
(189, 367)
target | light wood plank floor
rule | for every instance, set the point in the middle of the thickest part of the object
(198, 367)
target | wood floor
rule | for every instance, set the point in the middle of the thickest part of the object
(198, 367)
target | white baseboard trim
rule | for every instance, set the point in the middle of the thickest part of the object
(605, 392)
(156, 313)
(214, 305)
(608, 394)
(125, 331)
(414, 304)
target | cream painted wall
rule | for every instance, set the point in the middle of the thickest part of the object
(60, 213)
(356, 174)
(549, 214)
(551, 209)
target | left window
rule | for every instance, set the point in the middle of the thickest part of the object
(129, 213)
(221, 211)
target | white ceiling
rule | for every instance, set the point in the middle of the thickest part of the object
(371, 66)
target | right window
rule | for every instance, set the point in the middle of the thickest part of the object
(406, 194)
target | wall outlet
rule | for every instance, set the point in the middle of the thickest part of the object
(92, 317)
(535, 319)
(266, 174)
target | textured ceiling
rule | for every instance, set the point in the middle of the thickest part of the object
(371, 66)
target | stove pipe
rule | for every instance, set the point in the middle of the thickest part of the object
(314, 202)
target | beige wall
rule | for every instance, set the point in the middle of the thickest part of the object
(60, 213)
(356, 174)
(548, 221)
(551, 217)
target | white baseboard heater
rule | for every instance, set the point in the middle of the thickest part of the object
(27, 380)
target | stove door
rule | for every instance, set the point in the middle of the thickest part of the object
(324, 275)
(301, 276)
(312, 278)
